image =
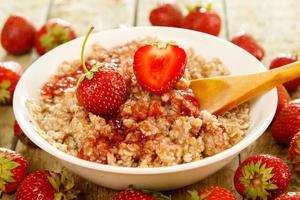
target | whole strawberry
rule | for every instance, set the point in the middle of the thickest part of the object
(283, 98)
(287, 122)
(47, 185)
(13, 170)
(284, 60)
(203, 20)
(213, 193)
(249, 43)
(52, 34)
(262, 177)
(294, 152)
(21, 136)
(289, 196)
(166, 15)
(17, 35)
(10, 73)
(139, 195)
(101, 90)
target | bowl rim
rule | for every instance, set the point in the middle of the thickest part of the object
(44, 145)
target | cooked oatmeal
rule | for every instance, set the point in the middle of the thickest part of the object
(149, 130)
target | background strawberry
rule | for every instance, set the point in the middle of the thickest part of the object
(283, 98)
(249, 43)
(262, 177)
(17, 35)
(294, 152)
(284, 60)
(10, 73)
(289, 196)
(52, 34)
(203, 20)
(46, 185)
(287, 122)
(166, 15)
(213, 193)
(158, 67)
(139, 195)
(21, 136)
(13, 170)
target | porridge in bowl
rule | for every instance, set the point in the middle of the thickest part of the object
(148, 129)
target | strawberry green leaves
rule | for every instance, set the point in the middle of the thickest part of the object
(6, 165)
(4, 91)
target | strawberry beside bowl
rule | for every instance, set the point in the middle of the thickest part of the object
(236, 59)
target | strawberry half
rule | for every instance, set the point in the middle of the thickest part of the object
(13, 170)
(262, 177)
(213, 193)
(158, 67)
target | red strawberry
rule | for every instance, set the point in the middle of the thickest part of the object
(139, 195)
(13, 170)
(17, 35)
(101, 90)
(213, 193)
(52, 34)
(158, 67)
(10, 73)
(262, 177)
(294, 152)
(46, 185)
(287, 122)
(283, 98)
(289, 196)
(247, 42)
(203, 20)
(166, 15)
(21, 136)
(284, 60)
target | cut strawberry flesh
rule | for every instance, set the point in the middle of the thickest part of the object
(158, 69)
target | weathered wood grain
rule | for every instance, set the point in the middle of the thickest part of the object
(275, 25)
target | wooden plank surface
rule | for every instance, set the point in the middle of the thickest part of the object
(276, 25)
(264, 22)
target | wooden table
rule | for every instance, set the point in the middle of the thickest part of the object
(275, 23)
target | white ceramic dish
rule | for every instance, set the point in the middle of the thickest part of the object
(162, 178)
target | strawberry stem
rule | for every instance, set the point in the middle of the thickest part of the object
(82, 50)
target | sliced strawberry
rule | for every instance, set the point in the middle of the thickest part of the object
(158, 68)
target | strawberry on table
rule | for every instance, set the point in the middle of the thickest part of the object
(213, 193)
(101, 90)
(262, 177)
(284, 60)
(47, 185)
(283, 98)
(10, 73)
(13, 170)
(249, 43)
(289, 196)
(294, 153)
(159, 67)
(21, 136)
(139, 195)
(204, 20)
(166, 15)
(17, 35)
(287, 122)
(52, 34)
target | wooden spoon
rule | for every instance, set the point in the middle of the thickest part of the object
(220, 94)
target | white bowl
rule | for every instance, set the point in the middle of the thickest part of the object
(162, 178)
